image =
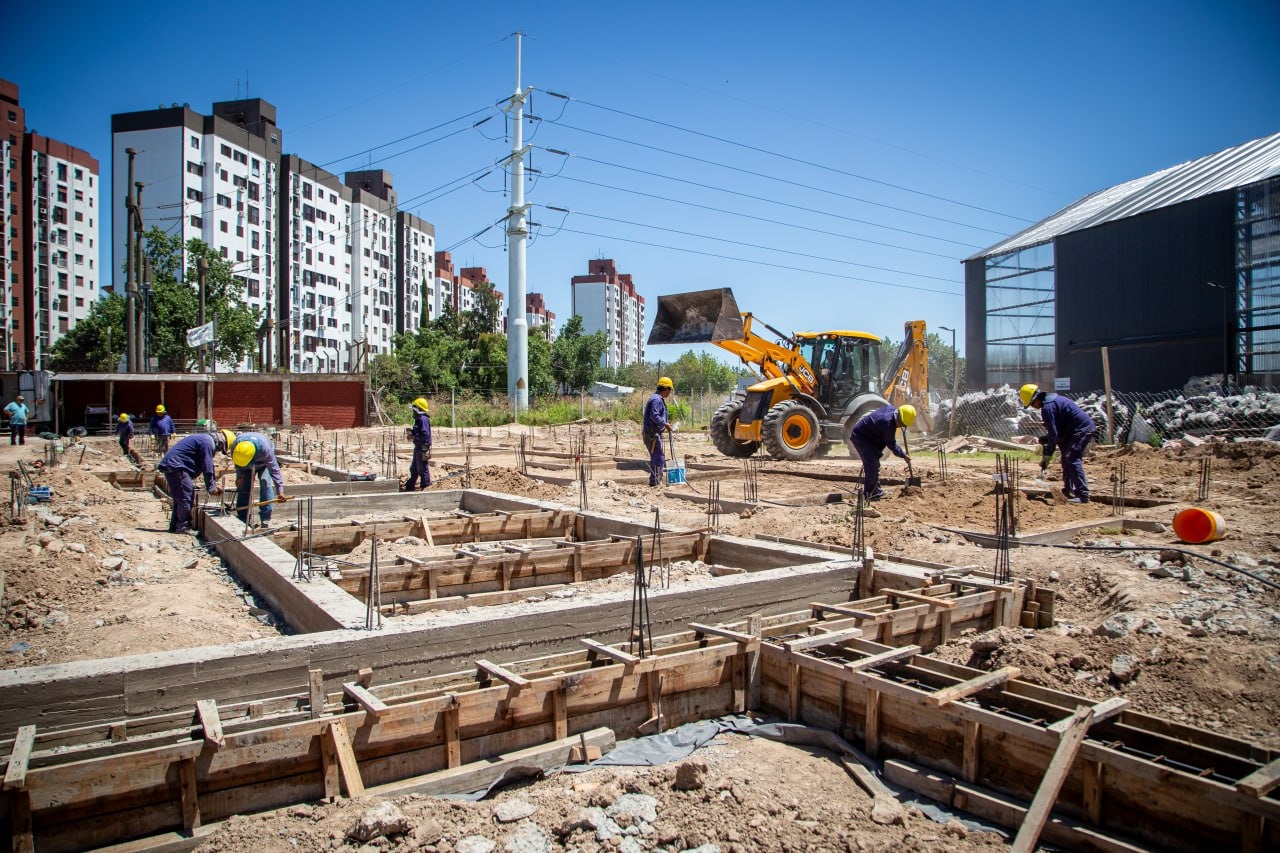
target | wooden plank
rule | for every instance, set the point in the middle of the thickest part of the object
(826, 638)
(426, 531)
(207, 713)
(871, 739)
(1000, 809)
(20, 822)
(366, 700)
(1257, 784)
(1054, 777)
(516, 682)
(15, 777)
(315, 685)
(793, 693)
(964, 689)
(755, 629)
(931, 600)
(972, 747)
(329, 766)
(1092, 796)
(348, 767)
(1104, 710)
(453, 748)
(609, 651)
(190, 795)
(876, 616)
(891, 656)
(718, 631)
(560, 714)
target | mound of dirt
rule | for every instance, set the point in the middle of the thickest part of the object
(496, 478)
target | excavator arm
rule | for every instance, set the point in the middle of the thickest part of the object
(906, 380)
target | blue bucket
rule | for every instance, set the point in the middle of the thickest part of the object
(675, 476)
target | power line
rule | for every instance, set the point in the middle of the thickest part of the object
(790, 158)
(786, 181)
(742, 243)
(741, 194)
(761, 263)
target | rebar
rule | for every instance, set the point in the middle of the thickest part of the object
(641, 634)
(1206, 466)
(751, 479)
(582, 488)
(1119, 488)
(859, 544)
(713, 502)
(942, 466)
(1005, 519)
(373, 601)
(656, 556)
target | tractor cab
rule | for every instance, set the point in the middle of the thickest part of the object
(846, 363)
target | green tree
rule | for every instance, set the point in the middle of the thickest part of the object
(482, 319)
(575, 357)
(95, 344)
(942, 360)
(541, 382)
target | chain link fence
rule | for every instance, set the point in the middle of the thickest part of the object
(1149, 417)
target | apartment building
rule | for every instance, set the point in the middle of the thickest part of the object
(49, 213)
(211, 177)
(314, 329)
(465, 294)
(607, 301)
(415, 271)
(540, 320)
(373, 259)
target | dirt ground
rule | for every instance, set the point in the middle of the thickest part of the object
(1198, 643)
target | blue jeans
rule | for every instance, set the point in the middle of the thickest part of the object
(419, 472)
(183, 492)
(870, 456)
(657, 458)
(266, 492)
(1073, 479)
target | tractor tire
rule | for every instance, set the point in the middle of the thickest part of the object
(791, 432)
(722, 424)
(848, 428)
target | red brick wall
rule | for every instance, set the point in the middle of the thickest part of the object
(237, 403)
(336, 405)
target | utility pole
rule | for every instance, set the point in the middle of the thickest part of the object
(130, 274)
(202, 268)
(141, 280)
(517, 237)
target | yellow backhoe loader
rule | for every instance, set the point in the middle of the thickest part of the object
(814, 385)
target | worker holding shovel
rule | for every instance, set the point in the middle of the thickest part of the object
(655, 424)
(124, 431)
(874, 432)
(1068, 428)
(254, 455)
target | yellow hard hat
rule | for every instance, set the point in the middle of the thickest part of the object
(665, 382)
(123, 417)
(228, 440)
(160, 410)
(907, 415)
(244, 453)
(1027, 393)
(420, 404)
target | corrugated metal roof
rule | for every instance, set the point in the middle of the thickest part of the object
(1235, 167)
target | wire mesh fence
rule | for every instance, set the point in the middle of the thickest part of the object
(1147, 417)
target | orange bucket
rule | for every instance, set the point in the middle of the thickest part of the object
(1195, 525)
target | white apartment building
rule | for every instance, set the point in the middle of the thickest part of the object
(373, 260)
(49, 270)
(213, 177)
(315, 268)
(415, 271)
(538, 317)
(607, 301)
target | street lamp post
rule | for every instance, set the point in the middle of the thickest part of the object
(1226, 339)
(955, 380)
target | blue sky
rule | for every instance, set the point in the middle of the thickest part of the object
(878, 144)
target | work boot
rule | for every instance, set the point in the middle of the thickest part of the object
(1075, 499)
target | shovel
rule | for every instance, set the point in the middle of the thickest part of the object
(912, 479)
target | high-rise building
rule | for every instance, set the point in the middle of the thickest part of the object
(209, 177)
(373, 259)
(538, 317)
(415, 270)
(464, 294)
(49, 212)
(607, 301)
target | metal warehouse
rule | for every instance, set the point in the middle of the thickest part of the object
(1176, 273)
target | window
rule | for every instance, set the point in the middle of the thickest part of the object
(223, 201)
(222, 226)
(80, 283)
(240, 157)
(255, 289)
(13, 116)
(62, 195)
(239, 230)
(194, 194)
(79, 301)
(253, 192)
(79, 195)
(253, 216)
(79, 237)
(222, 173)
(195, 169)
(197, 222)
(224, 150)
(79, 174)
(256, 167)
(253, 239)
(1020, 316)
(80, 216)
(306, 190)
(239, 257)
(195, 142)
(62, 171)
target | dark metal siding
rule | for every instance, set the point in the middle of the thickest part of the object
(975, 324)
(1138, 286)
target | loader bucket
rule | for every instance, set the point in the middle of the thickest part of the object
(697, 317)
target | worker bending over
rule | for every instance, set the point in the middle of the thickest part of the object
(421, 433)
(655, 424)
(1068, 429)
(161, 428)
(255, 456)
(192, 457)
(124, 431)
(874, 432)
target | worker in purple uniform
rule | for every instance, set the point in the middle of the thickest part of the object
(874, 432)
(124, 431)
(254, 455)
(192, 457)
(161, 427)
(419, 472)
(1068, 428)
(655, 424)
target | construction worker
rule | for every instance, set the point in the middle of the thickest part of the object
(1068, 428)
(654, 425)
(419, 472)
(192, 457)
(254, 455)
(161, 428)
(874, 432)
(18, 414)
(124, 431)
